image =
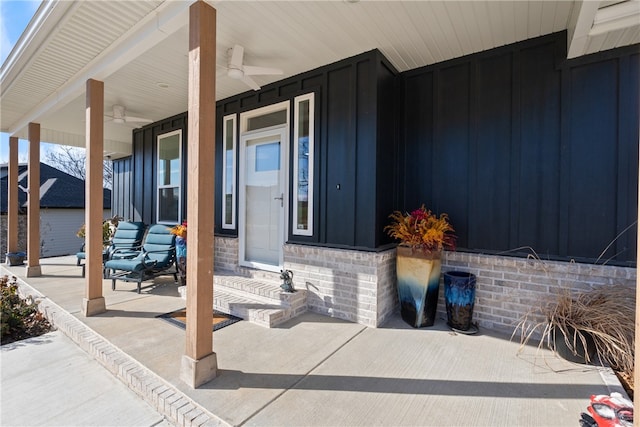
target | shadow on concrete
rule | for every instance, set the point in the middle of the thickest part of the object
(229, 379)
(127, 313)
(40, 340)
(61, 276)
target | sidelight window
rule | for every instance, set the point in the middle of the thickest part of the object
(303, 148)
(229, 172)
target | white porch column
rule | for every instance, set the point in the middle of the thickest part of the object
(33, 202)
(93, 303)
(12, 196)
(199, 364)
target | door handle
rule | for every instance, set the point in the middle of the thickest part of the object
(281, 198)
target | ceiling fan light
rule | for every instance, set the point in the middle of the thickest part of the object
(235, 73)
(118, 120)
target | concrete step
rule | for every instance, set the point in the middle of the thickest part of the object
(257, 297)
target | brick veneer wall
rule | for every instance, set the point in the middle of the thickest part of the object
(507, 287)
(22, 235)
(351, 285)
(225, 256)
(360, 286)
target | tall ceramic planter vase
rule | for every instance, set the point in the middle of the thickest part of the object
(181, 257)
(418, 285)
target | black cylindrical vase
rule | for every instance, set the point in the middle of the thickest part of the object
(459, 296)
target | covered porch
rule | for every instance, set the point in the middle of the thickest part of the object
(316, 370)
(154, 47)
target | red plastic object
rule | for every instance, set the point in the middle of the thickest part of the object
(608, 411)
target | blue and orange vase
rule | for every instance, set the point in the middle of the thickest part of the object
(418, 285)
(181, 255)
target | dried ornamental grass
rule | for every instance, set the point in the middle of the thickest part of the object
(606, 313)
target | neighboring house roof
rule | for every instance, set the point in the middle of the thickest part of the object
(140, 55)
(57, 189)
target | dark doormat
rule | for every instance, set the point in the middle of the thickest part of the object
(179, 317)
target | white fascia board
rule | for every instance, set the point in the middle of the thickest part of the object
(616, 17)
(155, 27)
(50, 17)
(584, 12)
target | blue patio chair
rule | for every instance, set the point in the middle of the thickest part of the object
(125, 243)
(157, 257)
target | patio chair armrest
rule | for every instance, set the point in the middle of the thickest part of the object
(123, 253)
(163, 251)
(150, 264)
(144, 259)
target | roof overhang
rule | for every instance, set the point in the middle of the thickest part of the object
(139, 48)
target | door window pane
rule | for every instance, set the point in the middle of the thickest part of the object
(268, 157)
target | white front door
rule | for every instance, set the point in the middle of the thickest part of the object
(263, 198)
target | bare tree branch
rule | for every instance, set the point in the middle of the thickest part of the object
(72, 161)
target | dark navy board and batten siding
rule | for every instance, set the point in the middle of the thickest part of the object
(520, 146)
(352, 160)
(524, 148)
(349, 151)
(135, 177)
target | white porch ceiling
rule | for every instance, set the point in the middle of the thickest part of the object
(135, 45)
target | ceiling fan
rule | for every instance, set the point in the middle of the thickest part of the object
(237, 70)
(119, 116)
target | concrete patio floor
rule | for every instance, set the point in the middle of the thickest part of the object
(69, 387)
(315, 370)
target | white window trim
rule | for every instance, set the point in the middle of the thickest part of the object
(232, 225)
(243, 135)
(158, 186)
(297, 100)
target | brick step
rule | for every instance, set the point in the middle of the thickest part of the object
(258, 299)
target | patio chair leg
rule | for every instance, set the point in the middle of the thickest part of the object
(83, 269)
(113, 284)
(140, 278)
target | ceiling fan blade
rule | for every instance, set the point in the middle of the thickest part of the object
(136, 120)
(266, 71)
(115, 120)
(250, 82)
(236, 57)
